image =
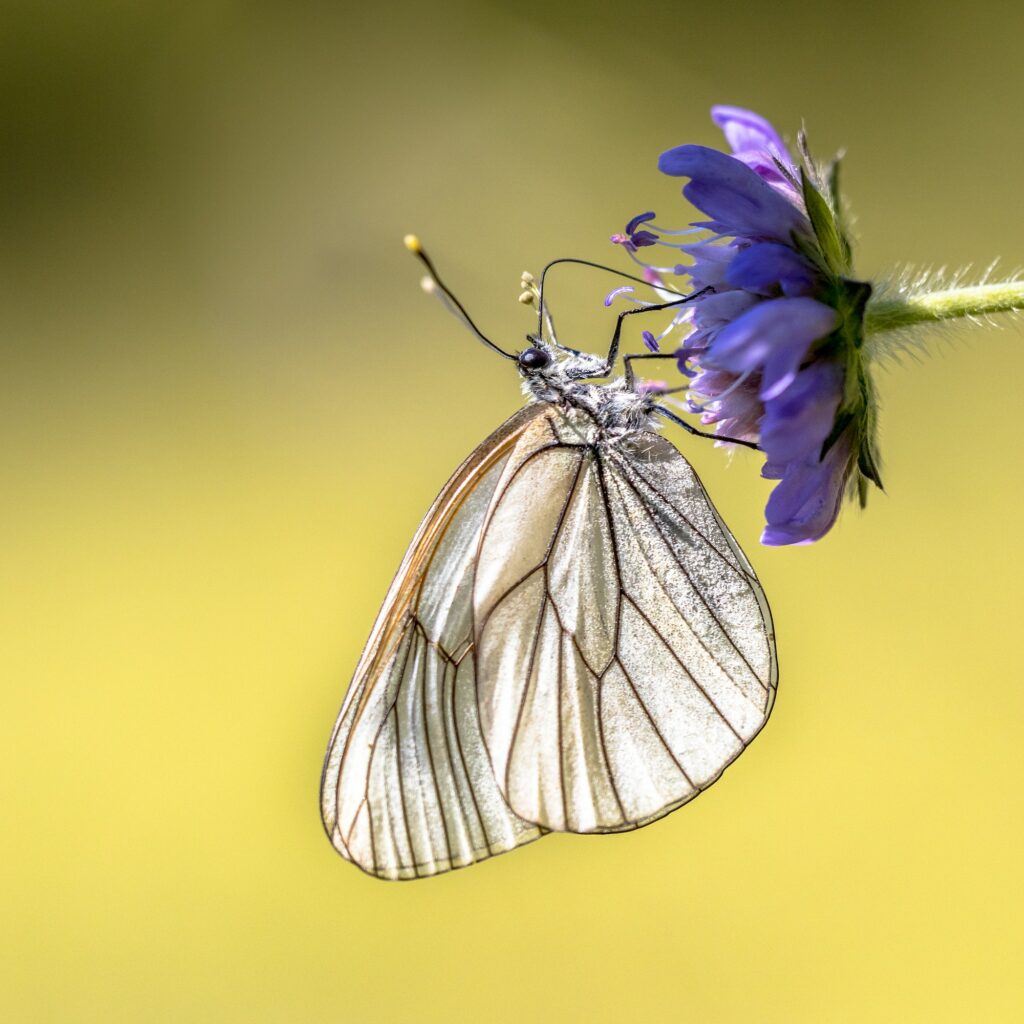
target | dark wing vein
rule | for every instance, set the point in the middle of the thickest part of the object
(604, 750)
(628, 469)
(465, 767)
(675, 657)
(693, 586)
(430, 760)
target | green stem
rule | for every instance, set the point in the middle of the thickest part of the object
(948, 304)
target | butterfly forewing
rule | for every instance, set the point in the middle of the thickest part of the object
(625, 653)
(407, 788)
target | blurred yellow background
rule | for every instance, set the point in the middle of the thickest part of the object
(226, 405)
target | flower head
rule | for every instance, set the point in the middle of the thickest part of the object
(774, 343)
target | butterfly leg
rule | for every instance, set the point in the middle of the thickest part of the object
(631, 373)
(669, 415)
(613, 349)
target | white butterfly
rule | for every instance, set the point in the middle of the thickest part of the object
(574, 641)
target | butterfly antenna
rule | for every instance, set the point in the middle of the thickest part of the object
(433, 285)
(542, 306)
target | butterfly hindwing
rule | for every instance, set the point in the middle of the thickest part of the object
(625, 653)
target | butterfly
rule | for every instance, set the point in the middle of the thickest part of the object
(574, 641)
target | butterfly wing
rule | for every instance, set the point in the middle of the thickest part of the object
(407, 787)
(624, 649)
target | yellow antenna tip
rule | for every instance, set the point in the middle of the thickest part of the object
(412, 243)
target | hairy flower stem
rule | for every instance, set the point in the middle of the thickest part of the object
(891, 314)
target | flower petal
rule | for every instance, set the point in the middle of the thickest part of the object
(710, 263)
(738, 413)
(773, 337)
(754, 141)
(720, 308)
(796, 423)
(713, 252)
(746, 131)
(737, 199)
(805, 503)
(768, 267)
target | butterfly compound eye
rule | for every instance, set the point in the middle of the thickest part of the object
(533, 359)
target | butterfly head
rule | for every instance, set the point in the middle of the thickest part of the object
(533, 359)
(567, 378)
(542, 372)
(551, 372)
(542, 361)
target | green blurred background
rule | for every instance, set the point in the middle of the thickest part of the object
(226, 404)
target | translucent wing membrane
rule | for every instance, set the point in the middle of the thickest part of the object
(574, 642)
(407, 788)
(625, 653)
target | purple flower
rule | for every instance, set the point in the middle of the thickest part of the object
(773, 344)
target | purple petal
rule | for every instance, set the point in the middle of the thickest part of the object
(743, 428)
(710, 263)
(804, 505)
(713, 252)
(768, 267)
(712, 383)
(742, 409)
(773, 337)
(754, 141)
(728, 191)
(737, 407)
(746, 131)
(796, 423)
(721, 308)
